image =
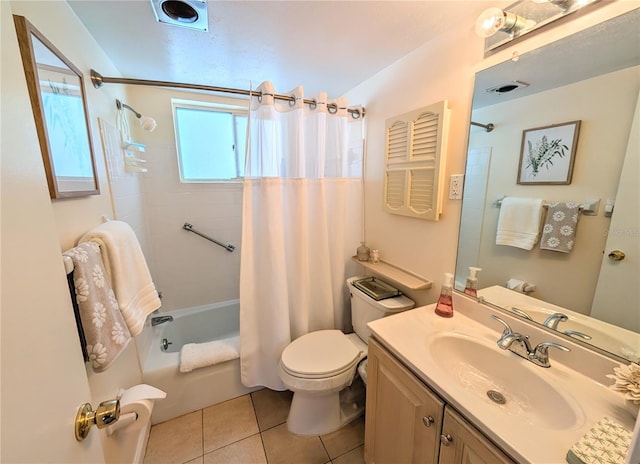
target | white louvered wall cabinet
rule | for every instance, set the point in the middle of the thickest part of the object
(416, 147)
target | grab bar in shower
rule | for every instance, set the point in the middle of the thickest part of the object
(190, 228)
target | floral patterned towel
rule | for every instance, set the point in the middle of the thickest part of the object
(104, 328)
(559, 232)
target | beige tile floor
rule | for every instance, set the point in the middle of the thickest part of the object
(250, 429)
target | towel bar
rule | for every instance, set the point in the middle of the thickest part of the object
(190, 228)
(589, 207)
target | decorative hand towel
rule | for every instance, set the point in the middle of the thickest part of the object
(607, 442)
(519, 222)
(196, 355)
(127, 270)
(559, 231)
(104, 328)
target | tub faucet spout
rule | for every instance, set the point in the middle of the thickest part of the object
(160, 320)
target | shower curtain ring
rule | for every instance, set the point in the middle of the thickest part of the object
(292, 101)
(260, 97)
(332, 108)
(313, 104)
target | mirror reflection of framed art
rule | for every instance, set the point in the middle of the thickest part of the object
(548, 153)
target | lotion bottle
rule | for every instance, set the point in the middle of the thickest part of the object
(472, 282)
(444, 307)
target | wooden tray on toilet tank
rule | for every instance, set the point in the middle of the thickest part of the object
(376, 288)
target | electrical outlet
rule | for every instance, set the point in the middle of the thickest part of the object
(455, 186)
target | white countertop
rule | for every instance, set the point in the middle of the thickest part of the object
(578, 375)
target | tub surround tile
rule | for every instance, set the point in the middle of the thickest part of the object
(176, 441)
(283, 447)
(272, 407)
(246, 451)
(355, 456)
(228, 422)
(345, 439)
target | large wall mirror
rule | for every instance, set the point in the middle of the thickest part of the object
(593, 77)
(56, 90)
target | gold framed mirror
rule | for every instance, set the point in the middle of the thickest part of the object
(56, 91)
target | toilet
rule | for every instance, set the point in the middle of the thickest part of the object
(320, 367)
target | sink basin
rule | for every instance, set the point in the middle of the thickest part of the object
(483, 369)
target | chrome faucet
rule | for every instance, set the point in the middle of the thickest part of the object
(520, 345)
(576, 334)
(540, 355)
(521, 313)
(554, 319)
(513, 341)
(160, 320)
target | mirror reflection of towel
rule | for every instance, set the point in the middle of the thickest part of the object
(559, 231)
(519, 222)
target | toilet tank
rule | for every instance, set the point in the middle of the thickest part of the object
(365, 309)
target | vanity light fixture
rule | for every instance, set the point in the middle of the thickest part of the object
(493, 20)
(499, 27)
(184, 13)
(146, 122)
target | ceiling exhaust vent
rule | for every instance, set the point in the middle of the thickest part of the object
(506, 88)
(184, 13)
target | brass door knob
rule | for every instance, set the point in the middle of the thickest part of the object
(107, 413)
(616, 255)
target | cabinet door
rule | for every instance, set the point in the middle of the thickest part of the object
(463, 444)
(403, 418)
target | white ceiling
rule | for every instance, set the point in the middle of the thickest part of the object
(323, 45)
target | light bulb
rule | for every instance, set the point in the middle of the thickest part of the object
(494, 19)
(489, 22)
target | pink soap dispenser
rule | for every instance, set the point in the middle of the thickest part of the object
(444, 307)
(472, 282)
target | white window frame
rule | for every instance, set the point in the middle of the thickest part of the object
(221, 105)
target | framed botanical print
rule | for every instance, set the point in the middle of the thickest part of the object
(547, 154)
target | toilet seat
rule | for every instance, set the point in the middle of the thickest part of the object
(320, 354)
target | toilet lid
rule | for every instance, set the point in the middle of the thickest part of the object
(320, 354)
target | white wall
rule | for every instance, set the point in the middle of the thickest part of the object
(440, 69)
(606, 121)
(43, 376)
(73, 217)
(189, 270)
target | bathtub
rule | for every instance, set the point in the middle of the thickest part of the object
(201, 387)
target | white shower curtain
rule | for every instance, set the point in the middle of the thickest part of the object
(302, 221)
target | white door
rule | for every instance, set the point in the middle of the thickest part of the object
(43, 374)
(617, 297)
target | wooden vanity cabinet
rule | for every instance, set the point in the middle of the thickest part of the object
(405, 421)
(403, 418)
(462, 443)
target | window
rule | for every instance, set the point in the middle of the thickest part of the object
(210, 140)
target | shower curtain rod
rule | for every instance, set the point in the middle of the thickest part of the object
(98, 80)
(488, 127)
